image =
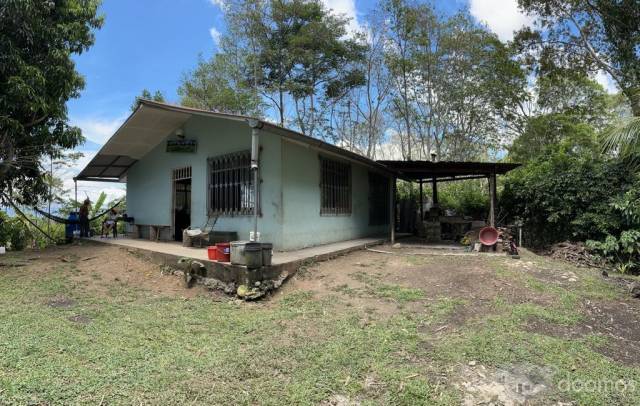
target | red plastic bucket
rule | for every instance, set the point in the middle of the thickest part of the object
(212, 252)
(488, 236)
(224, 251)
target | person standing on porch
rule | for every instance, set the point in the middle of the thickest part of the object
(84, 218)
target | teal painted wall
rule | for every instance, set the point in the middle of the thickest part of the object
(290, 192)
(303, 225)
(149, 185)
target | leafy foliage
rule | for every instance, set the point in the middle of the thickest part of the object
(565, 196)
(13, 234)
(146, 94)
(454, 83)
(220, 85)
(470, 197)
(623, 247)
(588, 36)
(37, 77)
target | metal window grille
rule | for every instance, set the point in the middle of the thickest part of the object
(378, 199)
(231, 184)
(182, 173)
(335, 187)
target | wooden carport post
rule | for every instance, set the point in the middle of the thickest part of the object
(392, 209)
(434, 190)
(421, 203)
(492, 199)
(75, 184)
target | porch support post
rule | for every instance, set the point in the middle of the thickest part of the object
(392, 209)
(255, 125)
(492, 199)
(421, 202)
(75, 184)
(434, 185)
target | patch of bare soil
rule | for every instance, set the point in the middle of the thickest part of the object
(617, 322)
(99, 268)
(61, 302)
(80, 319)
(516, 385)
(472, 279)
(458, 276)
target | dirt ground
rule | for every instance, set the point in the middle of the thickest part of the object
(450, 293)
(99, 267)
(473, 279)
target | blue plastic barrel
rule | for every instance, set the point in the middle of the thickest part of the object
(72, 225)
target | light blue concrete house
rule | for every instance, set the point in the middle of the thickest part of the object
(189, 167)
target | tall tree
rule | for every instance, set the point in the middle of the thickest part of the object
(589, 35)
(220, 85)
(37, 78)
(401, 31)
(327, 66)
(298, 54)
(146, 94)
(455, 84)
(357, 121)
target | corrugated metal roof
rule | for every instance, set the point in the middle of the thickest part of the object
(415, 170)
(152, 122)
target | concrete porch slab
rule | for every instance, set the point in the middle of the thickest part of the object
(284, 264)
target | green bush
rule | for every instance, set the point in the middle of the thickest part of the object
(623, 248)
(566, 196)
(469, 197)
(13, 233)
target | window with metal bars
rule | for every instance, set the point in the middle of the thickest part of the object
(378, 199)
(335, 187)
(231, 185)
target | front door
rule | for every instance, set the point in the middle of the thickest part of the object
(181, 202)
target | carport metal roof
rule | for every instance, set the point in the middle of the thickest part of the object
(447, 170)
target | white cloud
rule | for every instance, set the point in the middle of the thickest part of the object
(502, 16)
(215, 35)
(98, 130)
(346, 8)
(606, 81)
(218, 3)
(85, 188)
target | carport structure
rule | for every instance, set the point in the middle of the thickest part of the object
(447, 171)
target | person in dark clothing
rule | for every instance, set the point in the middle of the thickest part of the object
(84, 218)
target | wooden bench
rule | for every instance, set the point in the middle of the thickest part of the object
(154, 230)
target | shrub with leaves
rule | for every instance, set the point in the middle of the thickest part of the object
(13, 234)
(566, 196)
(623, 249)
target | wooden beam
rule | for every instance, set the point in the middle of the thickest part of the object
(421, 202)
(492, 200)
(392, 209)
(434, 188)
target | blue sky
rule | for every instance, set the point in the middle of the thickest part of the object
(151, 44)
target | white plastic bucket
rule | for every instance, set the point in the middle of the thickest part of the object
(3, 250)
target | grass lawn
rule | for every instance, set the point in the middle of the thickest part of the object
(359, 329)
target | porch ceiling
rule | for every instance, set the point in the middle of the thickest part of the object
(142, 132)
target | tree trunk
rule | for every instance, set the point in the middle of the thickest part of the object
(281, 106)
(633, 95)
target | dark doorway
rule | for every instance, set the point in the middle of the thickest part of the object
(181, 207)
